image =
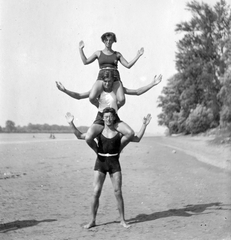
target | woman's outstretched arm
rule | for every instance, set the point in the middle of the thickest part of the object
(86, 60)
(127, 64)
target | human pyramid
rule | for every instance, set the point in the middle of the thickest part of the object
(108, 135)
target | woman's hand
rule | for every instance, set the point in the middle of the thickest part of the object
(140, 52)
(81, 44)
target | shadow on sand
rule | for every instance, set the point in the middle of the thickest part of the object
(12, 226)
(187, 211)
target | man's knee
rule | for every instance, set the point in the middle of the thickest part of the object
(88, 137)
(97, 192)
(118, 192)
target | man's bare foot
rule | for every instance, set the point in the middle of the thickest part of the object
(90, 225)
(124, 224)
(69, 117)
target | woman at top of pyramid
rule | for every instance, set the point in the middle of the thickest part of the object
(108, 61)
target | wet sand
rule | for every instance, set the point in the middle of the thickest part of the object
(174, 188)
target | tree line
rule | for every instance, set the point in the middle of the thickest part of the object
(10, 127)
(198, 96)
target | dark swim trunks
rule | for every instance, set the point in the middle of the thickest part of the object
(107, 164)
(99, 119)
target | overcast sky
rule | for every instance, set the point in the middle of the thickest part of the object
(39, 45)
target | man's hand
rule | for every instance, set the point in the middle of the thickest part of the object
(69, 117)
(60, 86)
(157, 80)
(147, 119)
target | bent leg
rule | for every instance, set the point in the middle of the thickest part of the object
(91, 134)
(95, 92)
(118, 89)
(99, 178)
(116, 179)
(127, 132)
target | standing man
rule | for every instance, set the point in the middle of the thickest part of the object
(110, 144)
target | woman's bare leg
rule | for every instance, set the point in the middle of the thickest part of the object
(118, 89)
(95, 92)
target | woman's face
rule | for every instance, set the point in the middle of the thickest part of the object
(109, 41)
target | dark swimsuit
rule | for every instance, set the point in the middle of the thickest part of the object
(108, 63)
(108, 164)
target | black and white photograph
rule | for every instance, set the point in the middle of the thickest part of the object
(115, 120)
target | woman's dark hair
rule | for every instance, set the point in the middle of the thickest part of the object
(108, 34)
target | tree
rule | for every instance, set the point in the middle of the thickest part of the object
(225, 96)
(199, 120)
(170, 104)
(225, 91)
(10, 126)
(200, 64)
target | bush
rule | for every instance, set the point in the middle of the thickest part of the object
(199, 120)
(173, 127)
(225, 116)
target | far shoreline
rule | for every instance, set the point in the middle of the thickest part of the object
(203, 148)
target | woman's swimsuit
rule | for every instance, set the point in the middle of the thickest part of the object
(108, 63)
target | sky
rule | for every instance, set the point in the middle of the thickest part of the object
(39, 45)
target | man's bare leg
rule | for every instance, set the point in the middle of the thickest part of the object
(116, 179)
(99, 178)
(126, 130)
(92, 133)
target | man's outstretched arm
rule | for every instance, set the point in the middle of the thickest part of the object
(138, 136)
(72, 94)
(78, 134)
(144, 89)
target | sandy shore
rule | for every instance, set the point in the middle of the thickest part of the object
(202, 148)
(174, 188)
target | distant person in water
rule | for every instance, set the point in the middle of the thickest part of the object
(108, 149)
(108, 61)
